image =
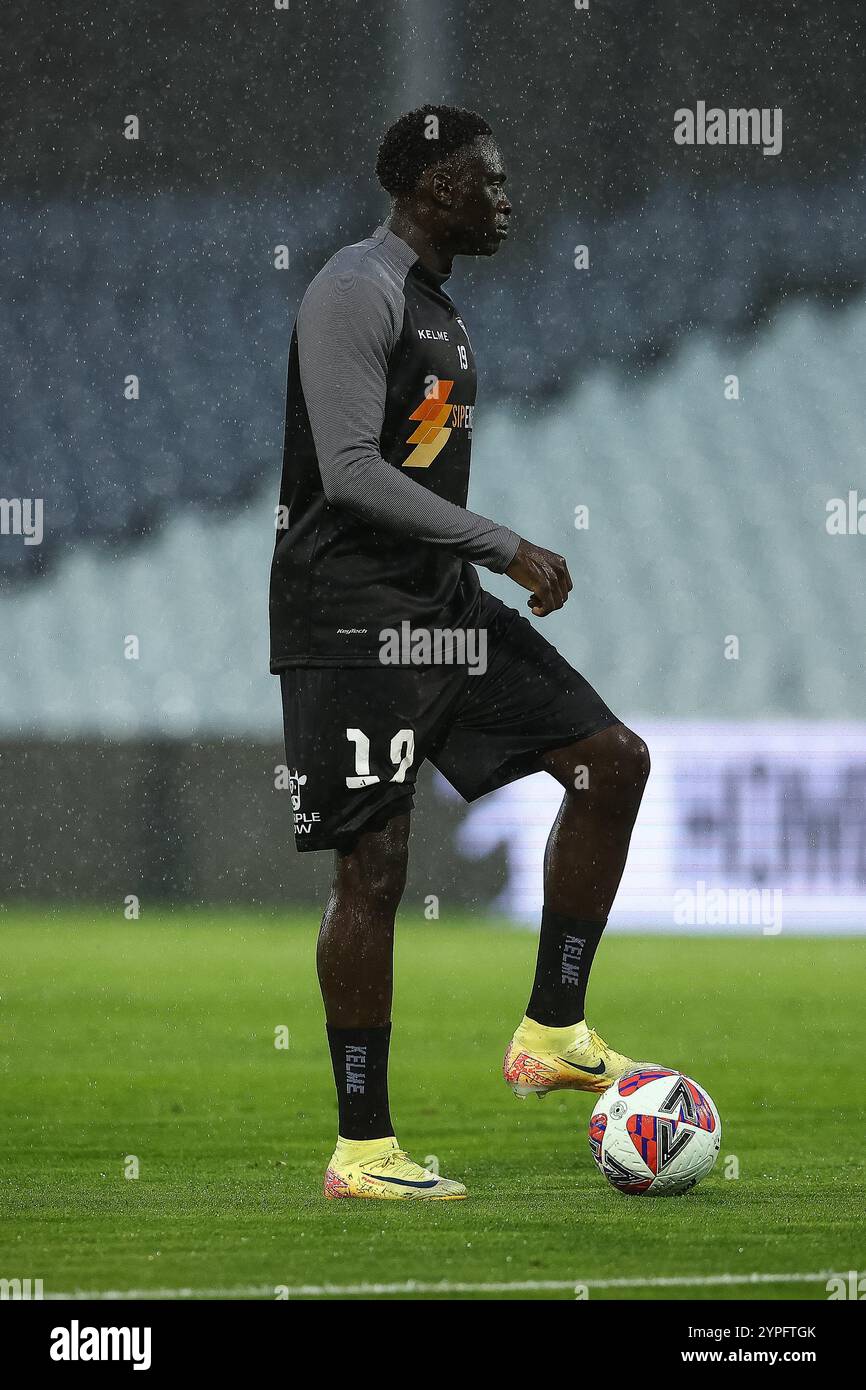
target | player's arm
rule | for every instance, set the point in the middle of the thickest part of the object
(347, 329)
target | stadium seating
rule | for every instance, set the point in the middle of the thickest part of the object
(706, 520)
(183, 293)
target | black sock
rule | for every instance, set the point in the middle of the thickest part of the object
(565, 952)
(360, 1060)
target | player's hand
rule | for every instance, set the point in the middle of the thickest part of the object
(544, 574)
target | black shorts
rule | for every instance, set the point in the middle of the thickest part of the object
(356, 737)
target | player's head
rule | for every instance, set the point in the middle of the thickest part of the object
(442, 168)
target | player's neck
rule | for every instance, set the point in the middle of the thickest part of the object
(421, 242)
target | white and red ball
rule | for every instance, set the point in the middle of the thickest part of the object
(655, 1133)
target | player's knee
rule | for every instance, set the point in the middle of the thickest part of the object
(386, 878)
(630, 764)
(375, 869)
(638, 758)
(618, 770)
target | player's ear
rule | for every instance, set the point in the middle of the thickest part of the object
(442, 187)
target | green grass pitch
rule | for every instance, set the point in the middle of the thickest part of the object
(155, 1039)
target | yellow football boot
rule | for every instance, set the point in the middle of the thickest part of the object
(540, 1060)
(378, 1168)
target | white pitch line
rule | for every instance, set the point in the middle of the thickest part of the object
(683, 1281)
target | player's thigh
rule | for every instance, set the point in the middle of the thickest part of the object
(528, 701)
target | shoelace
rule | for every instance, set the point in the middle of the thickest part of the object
(392, 1156)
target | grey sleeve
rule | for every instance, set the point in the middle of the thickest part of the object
(347, 328)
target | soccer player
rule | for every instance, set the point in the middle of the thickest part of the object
(374, 544)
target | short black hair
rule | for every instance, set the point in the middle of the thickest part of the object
(407, 149)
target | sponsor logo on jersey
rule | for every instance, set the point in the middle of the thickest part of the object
(461, 417)
(436, 419)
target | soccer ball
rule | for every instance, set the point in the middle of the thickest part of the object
(655, 1132)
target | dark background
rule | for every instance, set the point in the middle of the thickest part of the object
(235, 95)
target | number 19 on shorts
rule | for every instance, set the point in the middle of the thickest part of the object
(401, 752)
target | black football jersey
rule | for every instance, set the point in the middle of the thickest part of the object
(372, 526)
